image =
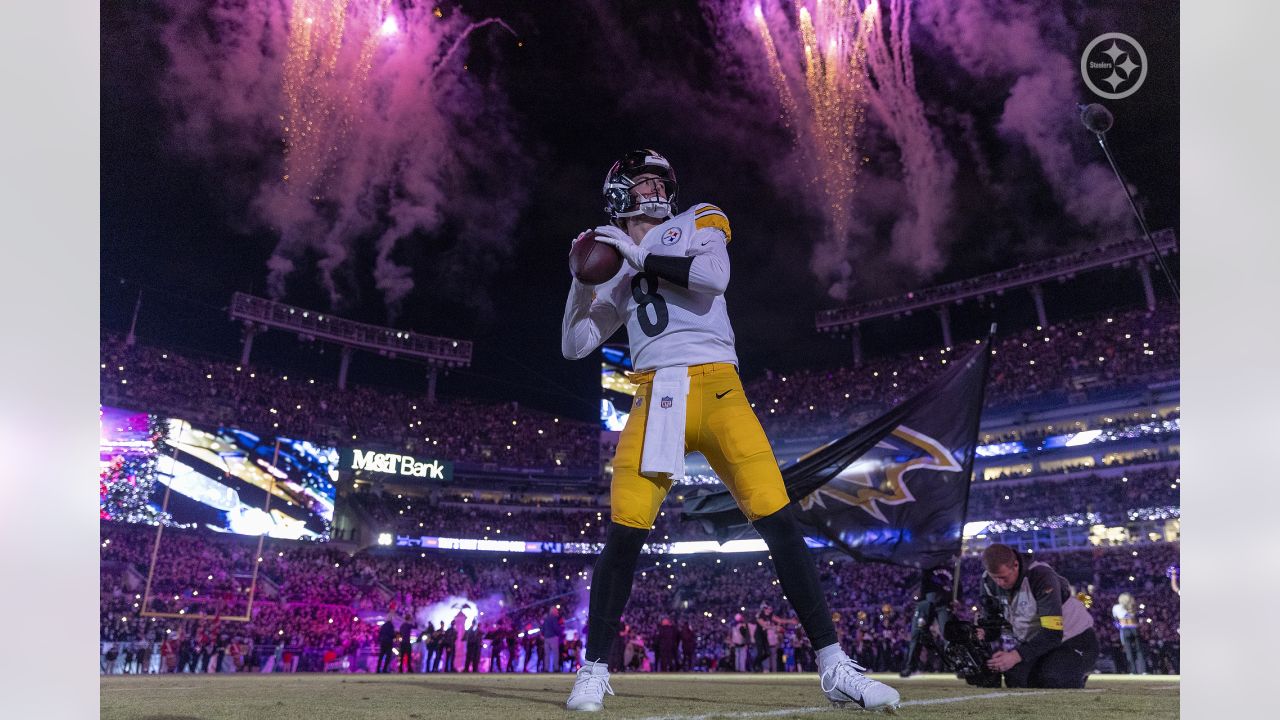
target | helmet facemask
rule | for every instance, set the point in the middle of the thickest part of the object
(639, 168)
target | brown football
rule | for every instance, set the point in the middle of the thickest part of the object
(592, 261)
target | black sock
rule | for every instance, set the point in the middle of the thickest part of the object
(611, 587)
(798, 573)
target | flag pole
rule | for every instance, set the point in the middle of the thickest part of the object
(964, 516)
(955, 577)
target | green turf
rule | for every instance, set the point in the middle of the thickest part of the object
(517, 696)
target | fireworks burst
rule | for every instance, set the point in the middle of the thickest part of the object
(827, 127)
(851, 61)
(928, 169)
(371, 128)
(320, 93)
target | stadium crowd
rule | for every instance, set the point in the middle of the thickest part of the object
(1109, 495)
(1123, 348)
(414, 516)
(1161, 424)
(220, 392)
(318, 607)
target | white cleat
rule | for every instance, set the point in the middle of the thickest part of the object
(844, 684)
(589, 688)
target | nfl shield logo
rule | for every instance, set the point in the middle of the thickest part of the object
(666, 402)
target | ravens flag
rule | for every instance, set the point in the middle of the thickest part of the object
(895, 490)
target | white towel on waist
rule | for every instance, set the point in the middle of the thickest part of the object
(663, 452)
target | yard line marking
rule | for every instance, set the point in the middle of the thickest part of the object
(810, 710)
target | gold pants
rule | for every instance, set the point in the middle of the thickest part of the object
(720, 424)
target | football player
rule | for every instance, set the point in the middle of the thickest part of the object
(669, 293)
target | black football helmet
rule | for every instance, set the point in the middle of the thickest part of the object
(618, 199)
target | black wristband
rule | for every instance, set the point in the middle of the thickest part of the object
(672, 268)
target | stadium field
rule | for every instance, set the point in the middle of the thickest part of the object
(646, 696)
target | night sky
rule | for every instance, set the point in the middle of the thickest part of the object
(529, 130)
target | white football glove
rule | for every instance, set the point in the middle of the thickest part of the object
(622, 242)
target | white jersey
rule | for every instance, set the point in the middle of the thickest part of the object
(667, 325)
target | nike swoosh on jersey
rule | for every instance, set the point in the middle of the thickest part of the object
(726, 392)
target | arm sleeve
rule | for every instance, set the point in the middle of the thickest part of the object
(589, 320)
(1046, 634)
(705, 269)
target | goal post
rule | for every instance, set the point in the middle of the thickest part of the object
(147, 597)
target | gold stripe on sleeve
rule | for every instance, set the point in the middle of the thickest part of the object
(715, 220)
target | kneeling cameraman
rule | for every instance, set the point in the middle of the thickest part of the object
(1057, 647)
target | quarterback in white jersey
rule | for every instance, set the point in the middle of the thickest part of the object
(670, 294)
(684, 322)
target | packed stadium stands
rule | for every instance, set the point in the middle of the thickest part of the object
(328, 601)
(1107, 497)
(1081, 492)
(219, 391)
(1123, 349)
(317, 606)
(1120, 349)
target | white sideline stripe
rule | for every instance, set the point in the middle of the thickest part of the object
(810, 710)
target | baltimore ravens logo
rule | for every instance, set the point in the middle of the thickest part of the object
(639, 401)
(666, 402)
(880, 478)
(670, 237)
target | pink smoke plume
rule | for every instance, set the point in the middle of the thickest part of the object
(907, 182)
(355, 124)
(1037, 51)
(825, 62)
(919, 238)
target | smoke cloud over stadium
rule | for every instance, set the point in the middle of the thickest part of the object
(887, 193)
(1038, 59)
(357, 135)
(346, 124)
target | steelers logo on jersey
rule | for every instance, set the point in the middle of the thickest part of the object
(671, 236)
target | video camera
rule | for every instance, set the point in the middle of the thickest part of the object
(967, 654)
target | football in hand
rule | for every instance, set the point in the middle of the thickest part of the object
(592, 261)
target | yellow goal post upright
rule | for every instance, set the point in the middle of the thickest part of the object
(257, 559)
